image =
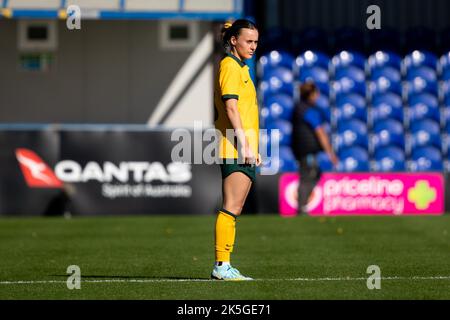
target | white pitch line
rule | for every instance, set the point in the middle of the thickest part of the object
(209, 280)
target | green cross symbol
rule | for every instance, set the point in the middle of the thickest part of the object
(422, 195)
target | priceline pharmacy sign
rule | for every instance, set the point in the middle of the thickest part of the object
(367, 194)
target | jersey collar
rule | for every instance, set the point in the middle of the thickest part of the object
(239, 61)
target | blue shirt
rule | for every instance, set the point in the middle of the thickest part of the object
(313, 117)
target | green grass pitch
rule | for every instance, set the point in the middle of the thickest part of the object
(171, 257)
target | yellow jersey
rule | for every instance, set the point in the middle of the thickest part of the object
(233, 81)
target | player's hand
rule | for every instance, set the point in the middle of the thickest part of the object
(334, 159)
(248, 155)
(258, 160)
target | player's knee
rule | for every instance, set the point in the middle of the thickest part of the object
(236, 209)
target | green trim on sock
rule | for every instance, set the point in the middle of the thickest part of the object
(228, 212)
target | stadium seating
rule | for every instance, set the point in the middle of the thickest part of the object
(421, 79)
(280, 106)
(351, 132)
(445, 118)
(425, 132)
(324, 162)
(380, 109)
(273, 60)
(388, 132)
(353, 159)
(385, 79)
(381, 59)
(277, 80)
(426, 159)
(389, 158)
(284, 131)
(444, 66)
(384, 106)
(287, 159)
(310, 59)
(313, 66)
(419, 58)
(350, 106)
(445, 92)
(347, 58)
(349, 80)
(423, 106)
(317, 75)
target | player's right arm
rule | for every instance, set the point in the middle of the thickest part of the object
(230, 80)
(235, 120)
(326, 145)
(313, 117)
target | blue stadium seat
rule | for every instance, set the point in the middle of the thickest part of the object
(317, 75)
(389, 158)
(349, 80)
(350, 106)
(426, 159)
(280, 106)
(347, 58)
(351, 132)
(324, 162)
(385, 79)
(446, 146)
(388, 105)
(388, 132)
(445, 92)
(425, 132)
(288, 163)
(283, 74)
(285, 162)
(351, 72)
(324, 106)
(264, 143)
(264, 116)
(419, 59)
(309, 59)
(445, 115)
(285, 131)
(444, 66)
(423, 106)
(353, 159)
(445, 112)
(277, 80)
(421, 79)
(274, 59)
(445, 76)
(381, 59)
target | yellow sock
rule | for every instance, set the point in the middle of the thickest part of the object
(225, 235)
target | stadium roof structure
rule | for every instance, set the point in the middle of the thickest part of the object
(124, 9)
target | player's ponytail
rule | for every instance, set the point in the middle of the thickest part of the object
(230, 30)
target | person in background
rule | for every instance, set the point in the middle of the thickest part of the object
(309, 137)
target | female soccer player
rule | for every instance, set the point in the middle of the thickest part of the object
(236, 117)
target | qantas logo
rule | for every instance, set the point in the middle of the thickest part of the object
(36, 172)
(39, 175)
